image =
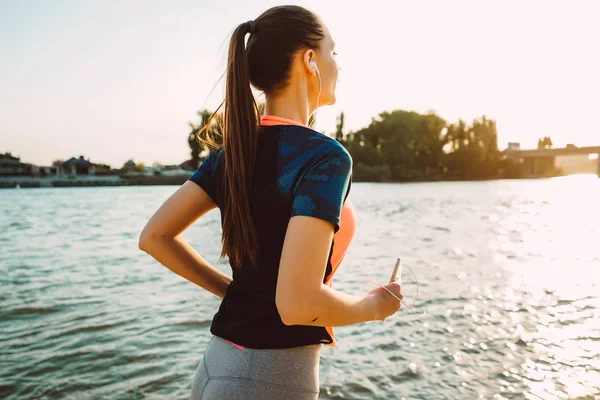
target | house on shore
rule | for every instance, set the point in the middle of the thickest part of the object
(73, 172)
(12, 166)
(82, 167)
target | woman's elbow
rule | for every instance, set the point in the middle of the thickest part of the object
(292, 312)
(143, 243)
(290, 317)
(287, 316)
(146, 239)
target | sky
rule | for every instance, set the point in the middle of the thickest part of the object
(114, 80)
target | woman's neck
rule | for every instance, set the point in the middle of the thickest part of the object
(292, 104)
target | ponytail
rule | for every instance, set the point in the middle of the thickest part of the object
(240, 136)
(266, 62)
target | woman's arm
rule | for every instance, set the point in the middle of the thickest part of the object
(301, 296)
(160, 238)
(177, 255)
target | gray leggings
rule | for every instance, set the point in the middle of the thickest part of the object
(226, 372)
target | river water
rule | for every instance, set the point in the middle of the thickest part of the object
(508, 272)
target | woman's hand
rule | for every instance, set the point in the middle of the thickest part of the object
(385, 303)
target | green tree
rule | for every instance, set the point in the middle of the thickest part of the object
(214, 134)
(407, 146)
(200, 140)
(407, 142)
(196, 146)
(140, 167)
(545, 143)
(339, 132)
(472, 150)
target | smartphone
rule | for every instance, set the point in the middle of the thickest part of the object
(397, 273)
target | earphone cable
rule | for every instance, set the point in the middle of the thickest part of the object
(420, 312)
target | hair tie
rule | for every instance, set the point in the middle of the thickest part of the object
(252, 25)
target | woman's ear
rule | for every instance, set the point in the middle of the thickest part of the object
(307, 57)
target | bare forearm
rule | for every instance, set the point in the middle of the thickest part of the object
(331, 307)
(178, 256)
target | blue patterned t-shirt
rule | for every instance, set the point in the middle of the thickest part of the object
(298, 171)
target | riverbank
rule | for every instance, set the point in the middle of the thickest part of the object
(24, 182)
(156, 180)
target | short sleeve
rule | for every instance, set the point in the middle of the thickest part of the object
(323, 188)
(205, 175)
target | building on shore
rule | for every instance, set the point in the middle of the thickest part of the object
(188, 165)
(549, 161)
(171, 170)
(79, 171)
(82, 167)
(73, 172)
(12, 166)
(129, 166)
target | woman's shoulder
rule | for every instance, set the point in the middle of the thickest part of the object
(313, 144)
(214, 159)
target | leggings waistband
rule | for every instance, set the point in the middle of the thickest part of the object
(228, 372)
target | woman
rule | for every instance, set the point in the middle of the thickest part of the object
(282, 190)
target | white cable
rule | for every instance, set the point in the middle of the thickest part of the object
(421, 312)
(386, 289)
(318, 95)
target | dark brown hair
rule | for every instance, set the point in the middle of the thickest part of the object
(265, 63)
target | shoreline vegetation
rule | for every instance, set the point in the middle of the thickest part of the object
(406, 146)
(397, 146)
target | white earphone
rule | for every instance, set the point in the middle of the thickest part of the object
(313, 64)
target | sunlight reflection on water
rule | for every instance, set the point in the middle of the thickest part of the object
(508, 274)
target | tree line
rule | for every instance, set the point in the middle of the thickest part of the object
(406, 146)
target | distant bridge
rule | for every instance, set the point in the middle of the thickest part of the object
(537, 159)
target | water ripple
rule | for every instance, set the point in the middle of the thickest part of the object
(507, 271)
